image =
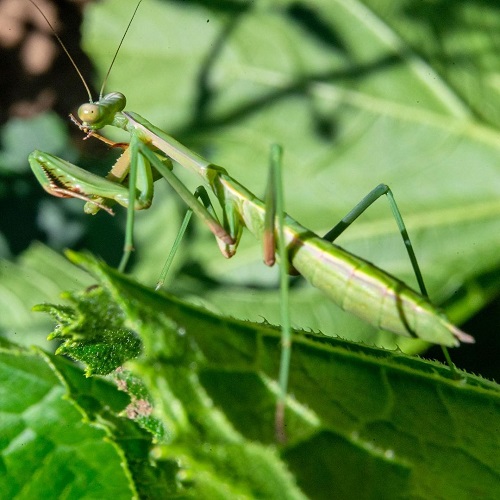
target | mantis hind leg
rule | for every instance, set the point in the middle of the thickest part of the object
(275, 212)
(367, 201)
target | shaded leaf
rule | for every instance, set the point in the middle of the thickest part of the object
(348, 91)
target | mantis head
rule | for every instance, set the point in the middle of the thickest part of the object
(96, 115)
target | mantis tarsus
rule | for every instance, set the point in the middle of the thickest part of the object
(355, 284)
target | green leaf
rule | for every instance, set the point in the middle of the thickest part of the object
(404, 421)
(95, 332)
(358, 93)
(102, 345)
(60, 435)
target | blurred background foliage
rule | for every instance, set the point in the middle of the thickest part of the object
(358, 93)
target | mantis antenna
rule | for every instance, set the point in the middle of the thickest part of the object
(72, 60)
(118, 49)
(65, 49)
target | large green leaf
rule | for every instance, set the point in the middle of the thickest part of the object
(358, 93)
(60, 432)
(204, 387)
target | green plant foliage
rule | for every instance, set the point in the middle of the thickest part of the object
(62, 435)
(103, 347)
(206, 385)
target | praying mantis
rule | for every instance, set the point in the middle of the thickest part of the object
(355, 284)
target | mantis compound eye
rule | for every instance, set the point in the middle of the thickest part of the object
(89, 113)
